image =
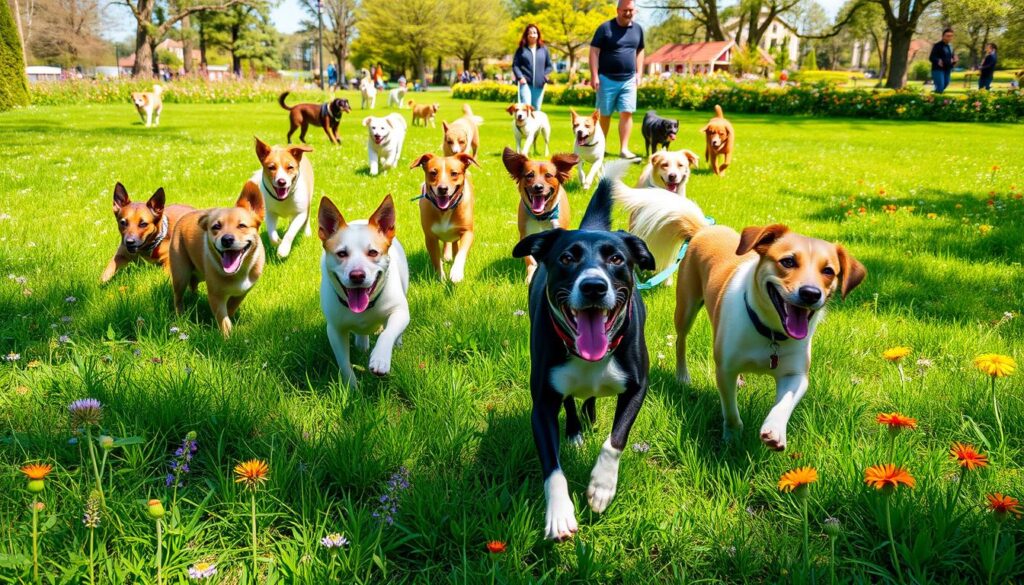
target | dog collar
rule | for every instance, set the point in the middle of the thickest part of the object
(548, 215)
(373, 299)
(759, 325)
(562, 328)
(151, 248)
(325, 110)
(273, 192)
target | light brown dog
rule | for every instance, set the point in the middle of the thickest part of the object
(720, 136)
(149, 105)
(543, 203)
(424, 113)
(446, 210)
(145, 229)
(669, 170)
(765, 291)
(462, 135)
(221, 246)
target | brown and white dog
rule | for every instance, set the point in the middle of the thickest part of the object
(446, 210)
(720, 136)
(144, 228)
(326, 115)
(424, 113)
(589, 145)
(463, 134)
(221, 246)
(543, 203)
(149, 104)
(285, 180)
(669, 170)
(527, 126)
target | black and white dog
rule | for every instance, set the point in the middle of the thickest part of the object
(658, 132)
(586, 341)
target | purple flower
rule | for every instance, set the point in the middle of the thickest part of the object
(389, 500)
(202, 571)
(64, 339)
(179, 464)
(334, 540)
(85, 412)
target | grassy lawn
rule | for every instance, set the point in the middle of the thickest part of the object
(932, 209)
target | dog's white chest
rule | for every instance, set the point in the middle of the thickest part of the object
(444, 229)
(536, 226)
(583, 379)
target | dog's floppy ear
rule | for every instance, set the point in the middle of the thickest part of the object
(537, 245)
(366, 120)
(299, 149)
(514, 162)
(692, 157)
(251, 199)
(204, 221)
(565, 164)
(262, 149)
(851, 271)
(656, 157)
(121, 199)
(422, 160)
(529, 109)
(511, 109)
(759, 238)
(638, 249)
(383, 219)
(329, 219)
(467, 159)
(156, 202)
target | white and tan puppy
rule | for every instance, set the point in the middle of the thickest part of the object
(527, 126)
(368, 91)
(286, 181)
(589, 145)
(385, 140)
(395, 97)
(669, 170)
(149, 104)
(364, 277)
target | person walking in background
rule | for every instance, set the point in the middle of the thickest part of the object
(531, 66)
(378, 77)
(616, 64)
(988, 67)
(332, 77)
(943, 59)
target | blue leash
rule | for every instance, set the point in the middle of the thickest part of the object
(665, 274)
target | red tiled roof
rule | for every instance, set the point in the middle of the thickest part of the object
(689, 52)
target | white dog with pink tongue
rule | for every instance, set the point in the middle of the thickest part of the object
(364, 277)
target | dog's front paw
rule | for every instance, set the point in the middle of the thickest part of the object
(380, 362)
(773, 437)
(561, 516)
(604, 479)
(456, 275)
(363, 342)
(284, 249)
(683, 374)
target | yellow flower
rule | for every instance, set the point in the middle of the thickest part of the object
(252, 472)
(895, 354)
(37, 470)
(933, 215)
(984, 228)
(995, 365)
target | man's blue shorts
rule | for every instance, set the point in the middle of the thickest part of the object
(616, 96)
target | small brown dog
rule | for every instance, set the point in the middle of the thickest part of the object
(149, 105)
(543, 204)
(720, 136)
(144, 228)
(462, 135)
(446, 210)
(221, 246)
(424, 113)
(326, 115)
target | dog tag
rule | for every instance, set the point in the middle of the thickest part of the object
(773, 360)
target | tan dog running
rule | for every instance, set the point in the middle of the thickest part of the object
(221, 246)
(285, 179)
(462, 135)
(720, 136)
(149, 105)
(543, 203)
(424, 113)
(669, 170)
(144, 228)
(446, 211)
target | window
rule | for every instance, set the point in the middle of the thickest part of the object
(775, 28)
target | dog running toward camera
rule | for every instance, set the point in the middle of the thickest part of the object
(527, 126)
(149, 105)
(446, 211)
(589, 145)
(658, 132)
(285, 180)
(367, 91)
(386, 135)
(424, 113)
(463, 134)
(395, 97)
(326, 115)
(144, 229)
(720, 137)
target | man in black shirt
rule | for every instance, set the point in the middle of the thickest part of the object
(988, 67)
(943, 59)
(616, 65)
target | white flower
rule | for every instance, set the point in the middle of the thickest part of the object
(174, 330)
(70, 300)
(12, 357)
(519, 312)
(183, 336)
(200, 571)
(334, 540)
(64, 339)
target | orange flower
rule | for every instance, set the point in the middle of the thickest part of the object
(35, 471)
(967, 456)
(496, 547)
(888, 477)
(995, 365)
(1002, 505)
(797, 478)
(896, 421)
(252, 472)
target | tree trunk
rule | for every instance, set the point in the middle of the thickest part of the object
(467, 61)
(156, 61)
(202, 45)
(236, 61)
(883, 59)
(186, 44)
(21, 33)
(143, 66)
(438, 71)
(899, 53)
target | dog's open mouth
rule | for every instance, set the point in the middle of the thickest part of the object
(795, 319)
(281, 193)
(538, 202)
(671, 135)
(231, 260)
(590, 328)
(581, 139)
(672, 186)
(377, 139)
(443, 202)
(359, 298)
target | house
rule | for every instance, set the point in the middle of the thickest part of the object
(863, 51)
(690, 58)
(36, 73)
(778, 34)
(177, 48)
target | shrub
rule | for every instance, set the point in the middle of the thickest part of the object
(921, 71)
(810, 61)
(189, 91)
(830, 77)
(13, 85)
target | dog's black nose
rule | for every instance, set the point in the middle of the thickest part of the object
(357, 276)
(809, 294)
(131, 242)
(227, 240)
(593, 288)
(442, 189)
(672, 177)
(282, 182)
(538, 187)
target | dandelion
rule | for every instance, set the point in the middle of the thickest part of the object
(924, 363)
(334, 540)
(933, 216)
(984, 229)
(496, 547)
(36, 474)
(33, 364)
(797, 482)
(995, 366)
(201, 571)
(896, 355)
(252, 474)
(887, 478)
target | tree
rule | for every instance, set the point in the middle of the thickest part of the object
(810, 61)
(401, 31)
(705, 12)
(567, 25)
(869, 24)
(13, 86)
(976, 21)
(340, 18)
(760, 14)
(245, 32)
(466, 25)
(68, 33)
(674, 29)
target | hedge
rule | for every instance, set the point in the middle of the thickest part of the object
(801, 100)
(13, 85)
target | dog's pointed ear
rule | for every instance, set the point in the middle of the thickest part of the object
(760, 238)
(514, 162)
(467, 159)
(422, 160)
(251, 199)
(444, 126)
(692, 157)
(511, 109)
(383, 219)
(121, 199)
(572, 114)
(565, 163)
(299, 149)
(537, 245)
(851, 271)
(157, 201)
(596, 116)
(329, 220)
(366, 120)
(638, 249)
(262, 149)
(204, 221)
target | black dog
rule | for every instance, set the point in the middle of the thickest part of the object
(326, 115)
(586, 340)
(658, 131)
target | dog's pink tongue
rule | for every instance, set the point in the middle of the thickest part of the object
(231, 260)
(537, 203)
(282, 192)
(358, 299)
(796, 322)
(591, 339)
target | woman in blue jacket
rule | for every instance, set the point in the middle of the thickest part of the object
(531, 66)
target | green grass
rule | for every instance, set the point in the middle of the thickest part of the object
(455, 410)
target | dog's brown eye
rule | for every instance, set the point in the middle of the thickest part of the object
(242, 226)
(342, 254)
(616, 259)
(272, 167)
(828, 271)
(216, 226)
(124, 222)
(373, 253)
(142, 224)
(548, 175)
(787, 262)
(291, 167)
(566, 259)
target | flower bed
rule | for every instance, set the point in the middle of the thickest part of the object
(193, 91)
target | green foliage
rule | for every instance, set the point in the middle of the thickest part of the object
(831, 77)
(464, 26)
(567, 26)
(13, 83)
(921, 71)
(246, 32)
(168, 58)
(182, 91)
(674, 29)
(810, 61)
(400, 32)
